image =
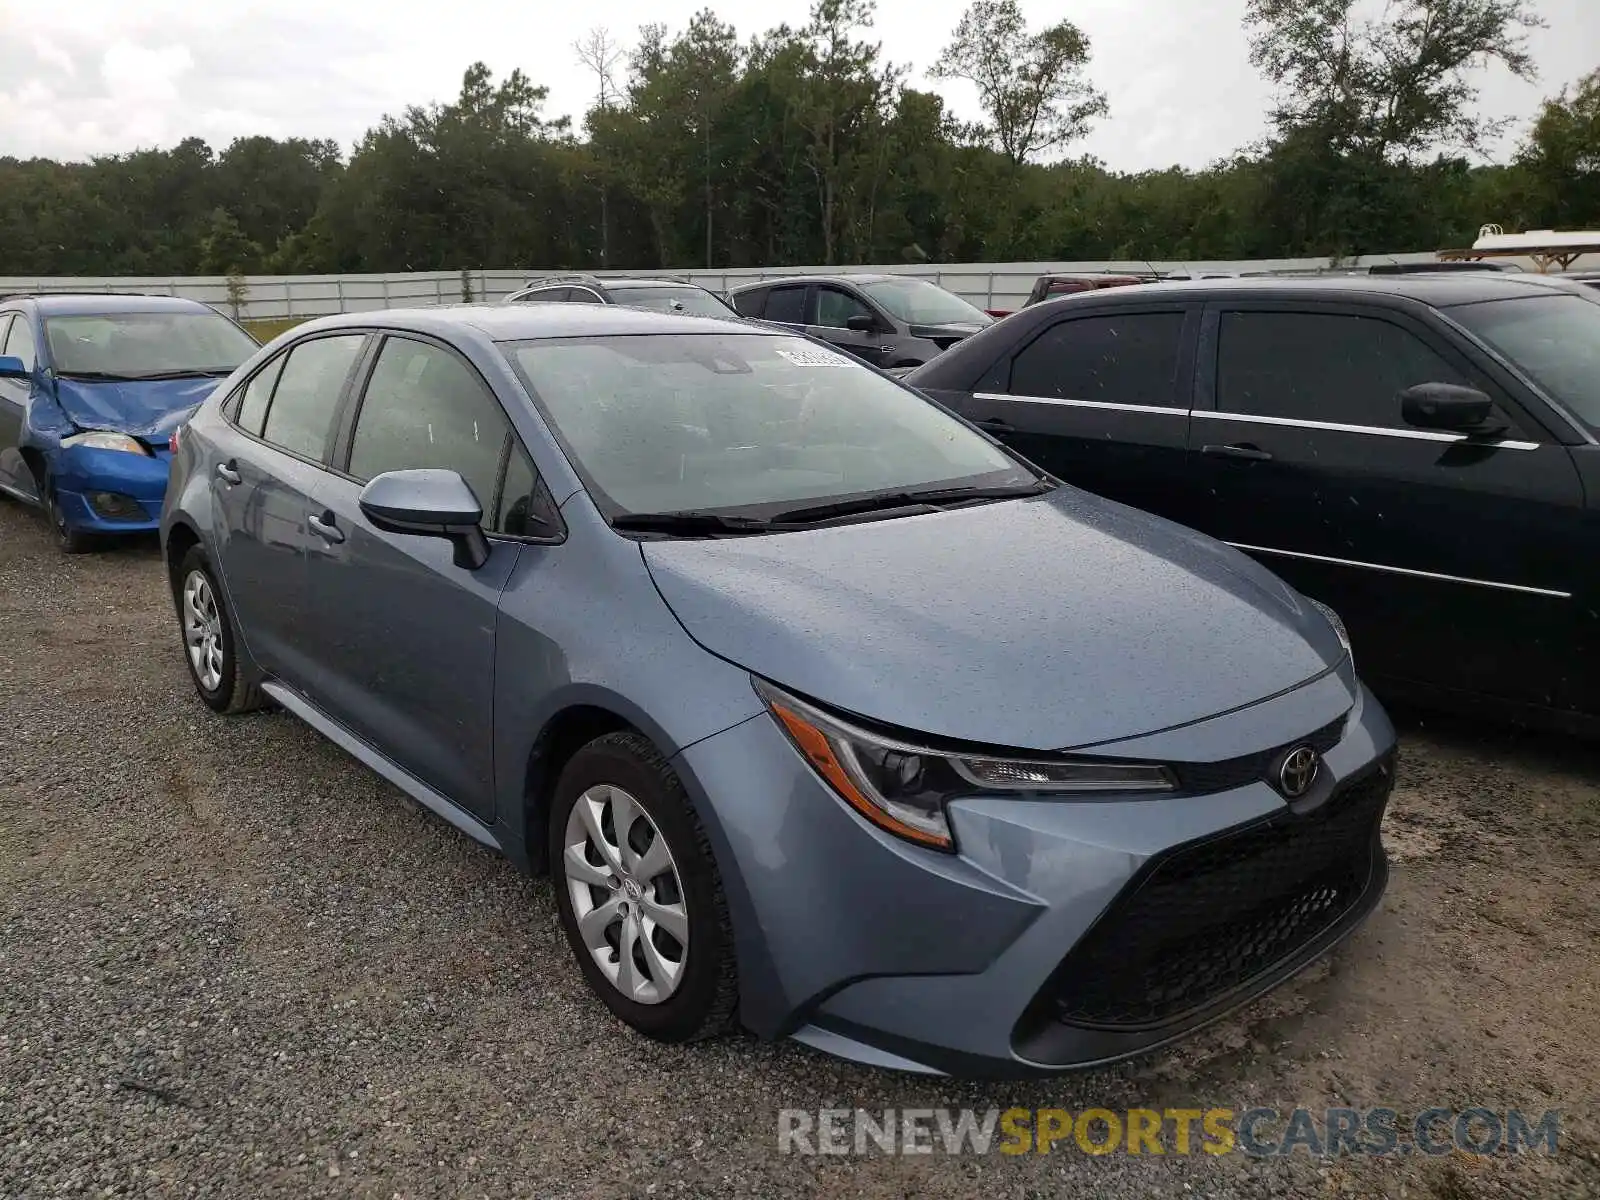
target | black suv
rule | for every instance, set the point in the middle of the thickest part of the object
(658, 295)
(1419, 452)
(885, 320)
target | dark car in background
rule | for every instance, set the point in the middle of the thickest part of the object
(91, 387)
(1420, 452)
(658, 295)
(886, 320)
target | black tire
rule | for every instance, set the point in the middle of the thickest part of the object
(68, 539)
(235, 692)
(706, 998)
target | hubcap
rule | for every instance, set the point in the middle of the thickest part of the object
(626, 894)
(202, 630)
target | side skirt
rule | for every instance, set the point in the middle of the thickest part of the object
(435, 802)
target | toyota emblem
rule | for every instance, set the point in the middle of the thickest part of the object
(1298, 772)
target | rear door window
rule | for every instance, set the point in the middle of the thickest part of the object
(1330, 368)
(750, 303)
(787, 305)
(257, 395)
(300, 415)
(1117, 358)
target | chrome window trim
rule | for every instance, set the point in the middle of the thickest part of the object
(1552, 593)
(1101, 404)
(1419, 435)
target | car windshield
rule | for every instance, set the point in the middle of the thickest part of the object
(135, 345)
(669, 423)
(918, 302)
(1554, 340)
(695, 301)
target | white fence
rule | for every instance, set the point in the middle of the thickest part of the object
(988, 285)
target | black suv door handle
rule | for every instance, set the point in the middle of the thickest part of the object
(995, 425)
(1245, 451)
(323, 526)
(227, 472)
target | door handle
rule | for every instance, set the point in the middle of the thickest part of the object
(1245, 451)
(995, 425)
(227, 472)
(324, 527)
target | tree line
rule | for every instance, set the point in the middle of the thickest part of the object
(805, 145)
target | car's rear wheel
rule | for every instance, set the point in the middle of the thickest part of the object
(638, 891)
(210, 646)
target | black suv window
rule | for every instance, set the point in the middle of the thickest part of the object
(300, 418)
(1329, 367)
(424, 407)
(551, 295)
(1119, 358)
(835, 307)
(787, 304)
(749, 303)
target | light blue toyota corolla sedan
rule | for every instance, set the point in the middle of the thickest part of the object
(829, 715)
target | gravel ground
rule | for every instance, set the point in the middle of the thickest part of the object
(233, 962)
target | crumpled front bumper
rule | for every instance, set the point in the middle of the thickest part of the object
(79, 472)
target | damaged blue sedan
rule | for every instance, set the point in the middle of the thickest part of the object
(92, 387)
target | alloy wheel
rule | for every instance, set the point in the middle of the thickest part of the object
(202, 630)
(627, 896)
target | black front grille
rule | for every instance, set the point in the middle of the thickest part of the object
(1202, 778)
(1208, 918)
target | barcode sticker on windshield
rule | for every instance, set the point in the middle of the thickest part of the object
(814, 358)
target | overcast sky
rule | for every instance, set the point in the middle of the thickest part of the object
(85, 77)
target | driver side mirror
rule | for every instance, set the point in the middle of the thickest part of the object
(1451, 408)
(11, 367)
(862, 323)
(429, 503)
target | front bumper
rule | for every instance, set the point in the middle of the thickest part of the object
(1063, 934)
(138, 481)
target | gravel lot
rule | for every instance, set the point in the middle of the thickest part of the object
(233, 962)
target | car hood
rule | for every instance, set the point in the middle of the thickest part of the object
(956, 329)
(1046, 623)
(148, 408)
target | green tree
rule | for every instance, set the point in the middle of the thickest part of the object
(1560, 160)
(225, 250)
(1398, 84)
(1031, 85)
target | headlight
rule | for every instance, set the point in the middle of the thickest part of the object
(903, 787)
(1338, 628)
(103, 439)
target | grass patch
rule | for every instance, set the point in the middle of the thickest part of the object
(265, 331)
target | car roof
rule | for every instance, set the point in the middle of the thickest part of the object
(1443, 290)
(95, 303)
(518, 322)
(845, 277)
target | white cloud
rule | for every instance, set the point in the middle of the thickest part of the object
(101, 76)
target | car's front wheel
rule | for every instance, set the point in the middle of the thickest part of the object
(638, 891)
(210, 644)
(70, 540)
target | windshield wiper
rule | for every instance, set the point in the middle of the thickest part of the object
(95, 375)
(691, 524)
(910, 498)
(187, 373)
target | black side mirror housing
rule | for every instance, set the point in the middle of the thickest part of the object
(1450, 408)
(862, 323)
(429, 503)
